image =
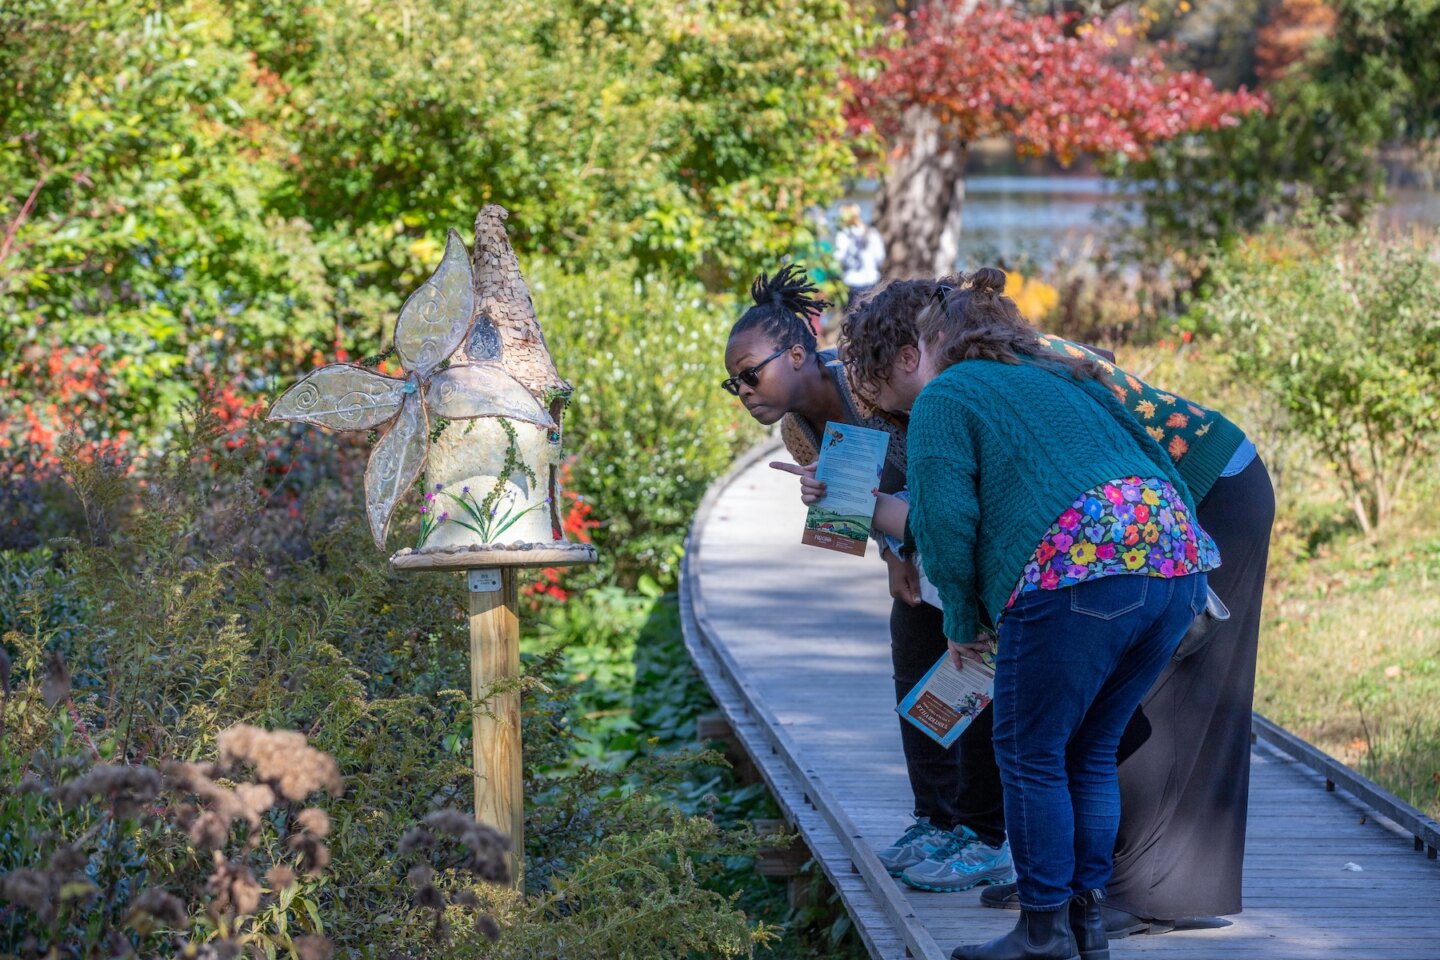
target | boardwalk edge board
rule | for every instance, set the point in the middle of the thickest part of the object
(1425, 831)
(778, 761)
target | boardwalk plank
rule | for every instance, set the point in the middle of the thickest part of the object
(794, 641)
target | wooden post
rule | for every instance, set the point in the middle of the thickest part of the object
(495, 656)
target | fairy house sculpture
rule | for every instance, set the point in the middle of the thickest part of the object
(478, 409)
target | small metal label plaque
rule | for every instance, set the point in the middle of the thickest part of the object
(483, 581)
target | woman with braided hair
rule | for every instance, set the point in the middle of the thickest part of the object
(778, 373)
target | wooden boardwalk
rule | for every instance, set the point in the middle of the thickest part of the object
(794, 644)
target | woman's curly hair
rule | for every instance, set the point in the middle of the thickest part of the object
(876, 329)
(970, 318)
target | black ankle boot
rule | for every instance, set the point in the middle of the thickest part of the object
(1037, 936)
(1088, 925)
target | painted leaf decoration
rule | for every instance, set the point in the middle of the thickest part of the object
(341, 396)
(434, 320)
(483, 390)
(394, 464)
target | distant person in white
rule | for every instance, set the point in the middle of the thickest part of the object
(860, 250)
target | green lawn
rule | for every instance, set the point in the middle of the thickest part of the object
(1350, 646)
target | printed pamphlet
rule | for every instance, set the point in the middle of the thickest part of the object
(945, 700)
(851, 459)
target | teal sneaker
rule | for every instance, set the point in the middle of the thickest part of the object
(972, 865)
(921, 840)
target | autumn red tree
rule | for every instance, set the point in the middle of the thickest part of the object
(950, 72)
(1292, 33)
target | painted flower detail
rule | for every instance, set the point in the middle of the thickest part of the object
(432, 324)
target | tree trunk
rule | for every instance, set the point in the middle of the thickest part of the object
(919, 204)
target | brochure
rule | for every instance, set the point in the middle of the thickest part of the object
(851, 460)
(945, 700)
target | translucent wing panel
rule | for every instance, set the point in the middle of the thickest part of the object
(433, 321)
(341, 397)
(394, 464)
(483, 390)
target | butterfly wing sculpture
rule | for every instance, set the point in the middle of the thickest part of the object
(432, 324)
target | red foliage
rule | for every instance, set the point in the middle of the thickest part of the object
(576, 523)
(997, 71)
(72, 391)
(235, 414)
(1294, 30)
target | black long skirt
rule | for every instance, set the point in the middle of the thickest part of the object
(1184, 790)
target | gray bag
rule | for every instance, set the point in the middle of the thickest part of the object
(1204, 625)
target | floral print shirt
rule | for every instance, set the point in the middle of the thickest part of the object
(1130, 525)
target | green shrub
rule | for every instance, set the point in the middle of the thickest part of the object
(649, 426)
(1341, 327)
(183, 612)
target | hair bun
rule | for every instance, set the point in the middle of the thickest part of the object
(790, 289)
(988, 280)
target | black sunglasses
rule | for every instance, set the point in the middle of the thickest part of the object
(943, 290)
(750, 376)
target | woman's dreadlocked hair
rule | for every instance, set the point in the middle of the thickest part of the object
(972, 319)
(785, 306)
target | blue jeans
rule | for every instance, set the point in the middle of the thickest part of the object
(1071, 667)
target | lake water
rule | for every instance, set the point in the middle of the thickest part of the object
(1042, 219)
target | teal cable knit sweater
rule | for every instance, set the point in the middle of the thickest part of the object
(998, 451)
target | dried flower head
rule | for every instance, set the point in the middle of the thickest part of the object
(314, 821)
(283, 758)
(279, 877)
(56, 686)
(314, 855)
(311, 947)
(158, 905)
(486, 847)
(37, 890)
(427, 895)
(125, 788)
(256, 798)
(69, 858)
(209, 828)
(235, 887)
(416, 838)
